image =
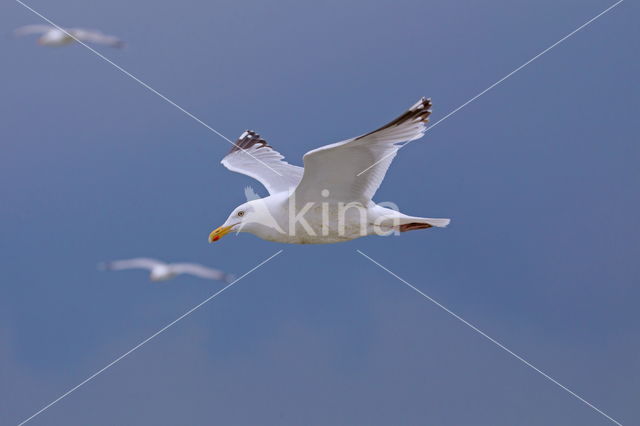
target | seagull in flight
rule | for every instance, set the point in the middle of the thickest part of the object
(161, 271)
(329, 200)
(54, 36)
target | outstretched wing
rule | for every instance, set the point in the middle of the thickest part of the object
(352, 170)
(252, 156)
(94, 36)
(137, 263)
(32, 29)
(200, 271)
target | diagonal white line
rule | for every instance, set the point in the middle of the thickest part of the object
(142, 83)
(492, 340)
(501, 80)
(73, 389)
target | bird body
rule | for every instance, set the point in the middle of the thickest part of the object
(330, 199)
(161, 271)
(276, 218)
(54, 36)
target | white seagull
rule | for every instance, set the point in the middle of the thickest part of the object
(161, 271)
(54, 36)
(330, 199)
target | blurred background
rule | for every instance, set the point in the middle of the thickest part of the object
(540, 177)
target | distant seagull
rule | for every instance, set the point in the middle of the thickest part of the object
(161, 271)
(330, 199)
(53, 36)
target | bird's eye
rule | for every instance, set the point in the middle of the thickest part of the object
(240, 213)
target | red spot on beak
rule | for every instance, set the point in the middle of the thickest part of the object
(216, 238)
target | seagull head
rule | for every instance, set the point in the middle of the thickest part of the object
(256, 216)
(239, 220)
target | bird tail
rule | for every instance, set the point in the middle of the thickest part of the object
(414, 223)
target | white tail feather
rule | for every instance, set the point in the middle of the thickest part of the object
(439, 223)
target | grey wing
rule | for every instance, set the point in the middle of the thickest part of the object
(94, 36)
(253, 156)
(136, 263)
(200, 271)
(354, 169)
(32, 29)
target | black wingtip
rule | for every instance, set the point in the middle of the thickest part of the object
(420, 111)
(247, 140)
(422, 104)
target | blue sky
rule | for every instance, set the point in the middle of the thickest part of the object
(539, 176)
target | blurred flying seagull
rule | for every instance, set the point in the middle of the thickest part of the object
(54, 36)
(330, 199)
(161, 271)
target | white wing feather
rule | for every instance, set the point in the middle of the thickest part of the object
(94, 36)
(336, 167)
(252, 156)
(199, 271)
(32, 29)
(136, 263)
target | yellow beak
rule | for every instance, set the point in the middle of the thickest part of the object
(216, 234)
